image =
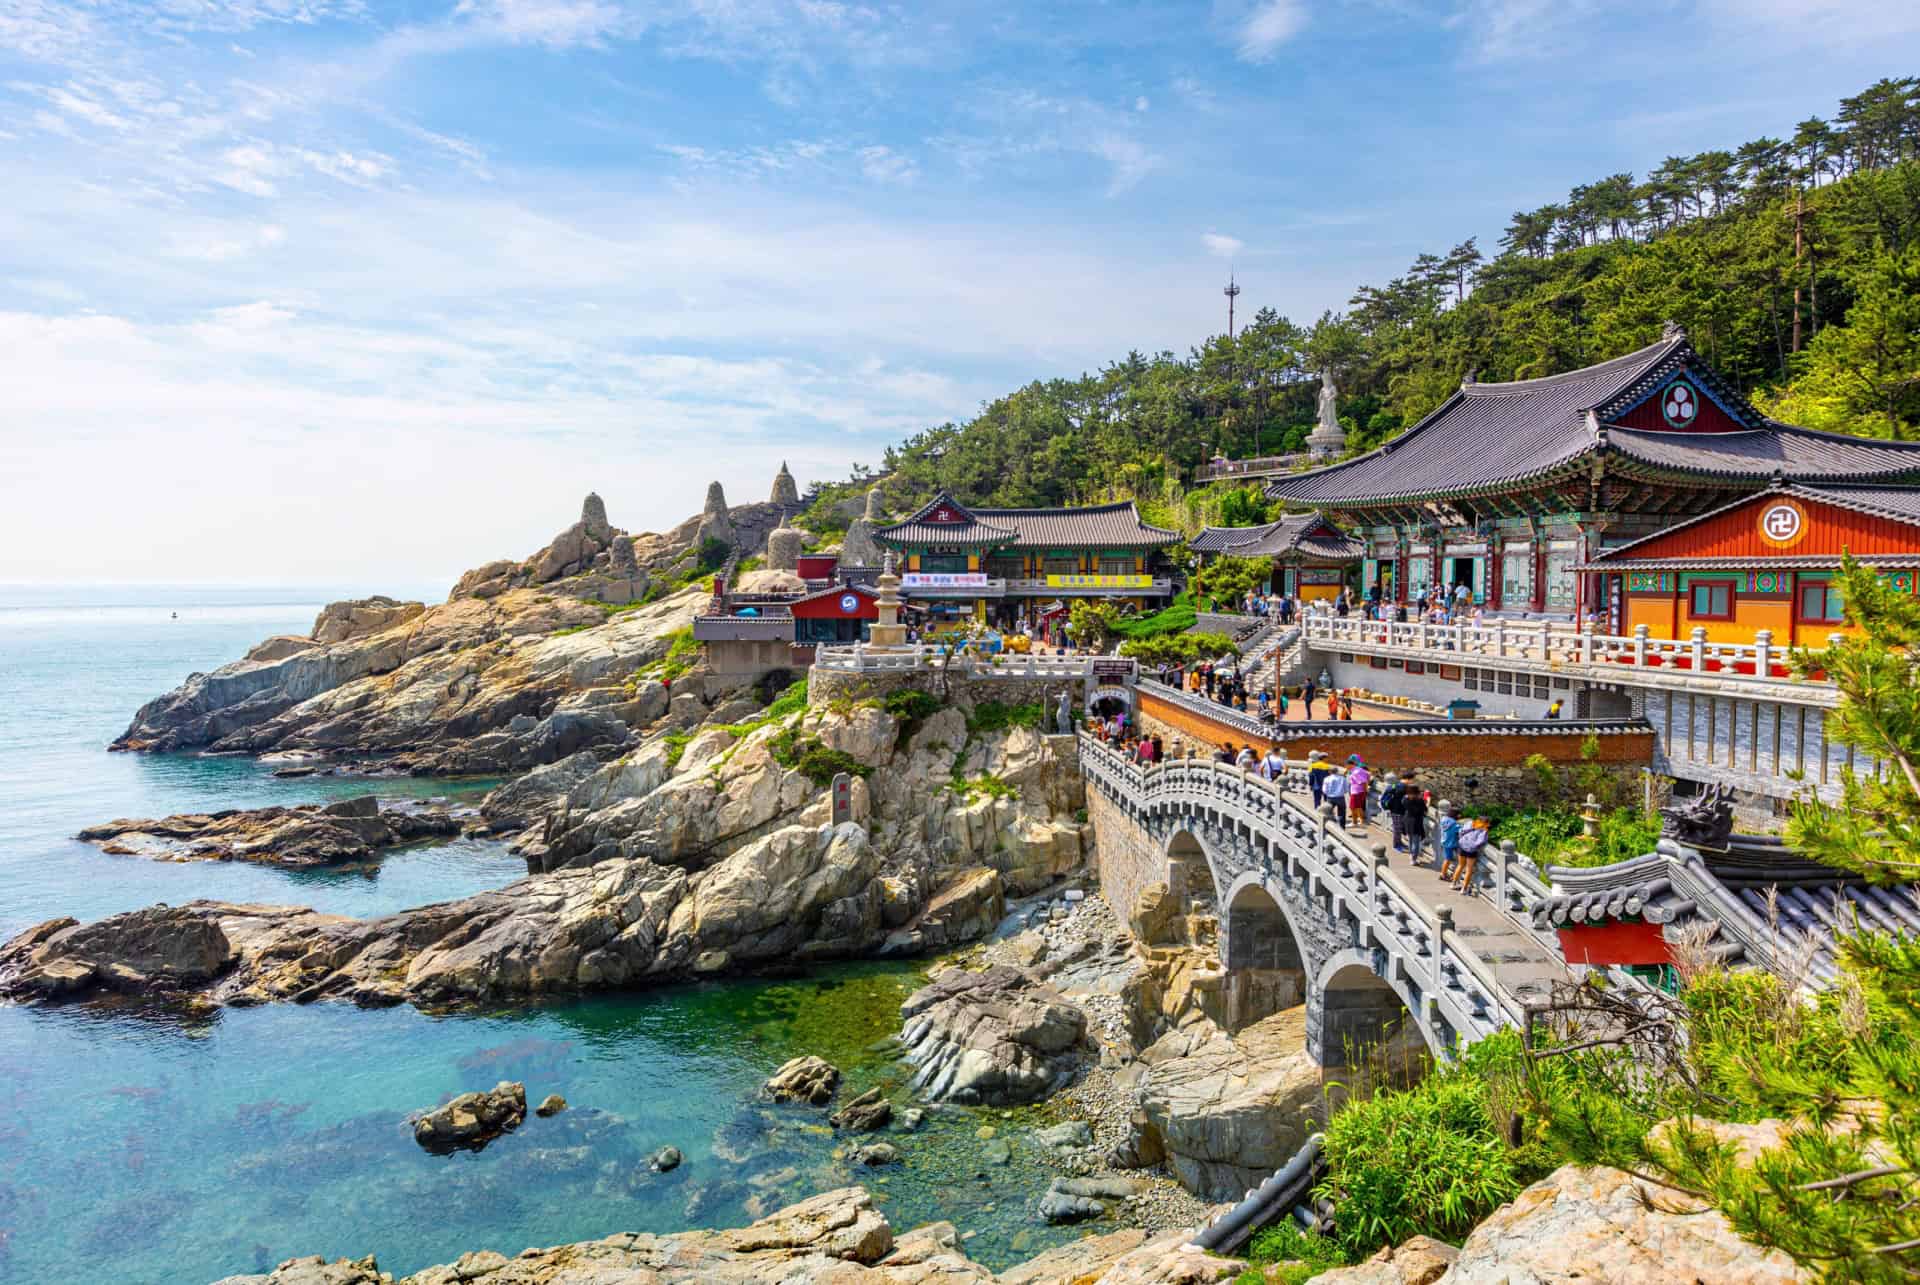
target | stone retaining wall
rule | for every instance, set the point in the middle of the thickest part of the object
(832, 686)
(1126, 857)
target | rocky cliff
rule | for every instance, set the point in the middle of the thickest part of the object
(704, 851)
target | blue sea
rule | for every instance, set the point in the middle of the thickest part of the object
(138, 1145)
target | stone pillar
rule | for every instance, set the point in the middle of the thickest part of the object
(887, 633)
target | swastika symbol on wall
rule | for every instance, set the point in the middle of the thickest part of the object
(1781, 524)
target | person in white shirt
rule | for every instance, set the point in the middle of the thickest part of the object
(1333, 790)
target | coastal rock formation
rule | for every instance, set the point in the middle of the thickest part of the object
(516, 637)
(159, 950)
(427, 687)
(834, 1238)
(312, 835)
(1605, 1227)
(799, 893)
(1229, 1111)
(1420, 1261)
(996, 1037)
(804, 1079)
(472, 1120)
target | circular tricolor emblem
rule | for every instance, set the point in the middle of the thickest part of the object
(1782, 524)
(1680, 404)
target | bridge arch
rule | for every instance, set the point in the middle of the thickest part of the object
(1190, 869)
(1357, 1016)
(1266, 962)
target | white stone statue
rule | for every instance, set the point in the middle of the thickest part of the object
(1329, 420)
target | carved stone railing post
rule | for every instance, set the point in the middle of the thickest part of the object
(1699, 649)
(1500, 874)
(1763, 653)
(1500, 638)
(1444, 917)
(1640, 646)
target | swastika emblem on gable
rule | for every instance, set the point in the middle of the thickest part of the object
(1783, 524)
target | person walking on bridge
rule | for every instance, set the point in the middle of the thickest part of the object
(1413, 818)
(1358, 779)
(1334, 788)
(1317, 769)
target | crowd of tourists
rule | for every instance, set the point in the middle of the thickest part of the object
(1413, 816)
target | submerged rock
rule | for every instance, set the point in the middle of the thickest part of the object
(551, 1105)
(868, 1112)
(997, 1037)
(472, 1120)
(665, 1160)
(804, 1079)
(877, 1153)
(311, 835)
(836, 1236)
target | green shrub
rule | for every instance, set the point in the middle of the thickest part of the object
(1306, 1254)
(1176, 617)
(1430, 1160)
(1552, 836)
(1179, 649)
(995, 716)
(912, 708)
(811, 757)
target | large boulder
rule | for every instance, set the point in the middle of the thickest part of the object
(804, 1079)
(359, 617)
(472, 1120)
(160, 949)
(997, 1037)
(1229, 1111)
(1605, 1227)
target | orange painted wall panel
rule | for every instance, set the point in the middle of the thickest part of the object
(1830, 531)
(1657, 614)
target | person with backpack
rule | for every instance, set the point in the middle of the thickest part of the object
(1274, 766)
(1413, 819)
(1473, 841)
(1449, 839)
(1390, 799)
(1334, 787)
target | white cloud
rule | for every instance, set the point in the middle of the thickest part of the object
(1220, 246)
(1131, 159)
(1271, 24)
(884, 165)
(1141, 104)
(246, 169)
(557, 24)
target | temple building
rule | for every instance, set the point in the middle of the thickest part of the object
(1766, 562)
(1006, 566)
(1312, 558)
(1516, 490)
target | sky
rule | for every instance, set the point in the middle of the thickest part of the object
(344, 291)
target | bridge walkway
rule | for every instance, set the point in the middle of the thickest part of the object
(1524, 966)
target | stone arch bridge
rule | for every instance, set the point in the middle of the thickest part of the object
(1307, 907)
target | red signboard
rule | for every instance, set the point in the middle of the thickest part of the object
(842, 602)
(1614, 943)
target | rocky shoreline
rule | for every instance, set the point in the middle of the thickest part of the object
(310, 835)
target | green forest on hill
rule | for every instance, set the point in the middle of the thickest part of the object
(1794, 265)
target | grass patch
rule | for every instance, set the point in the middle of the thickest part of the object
(1298, 1255)
(682, 651)
(676, 746)
(1176, 617)
(911, 708)
(986, 785)
(570, 629)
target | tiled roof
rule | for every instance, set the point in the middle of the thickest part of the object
(1491, 437)
(1796, 454)
(1607, 562)
(1213, 539)
(1108, 526)
(1754, 907)
(917, 530)
(1901, 503)
(1299, 533)
(1483, 438)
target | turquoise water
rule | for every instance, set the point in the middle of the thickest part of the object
(138, 1146)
